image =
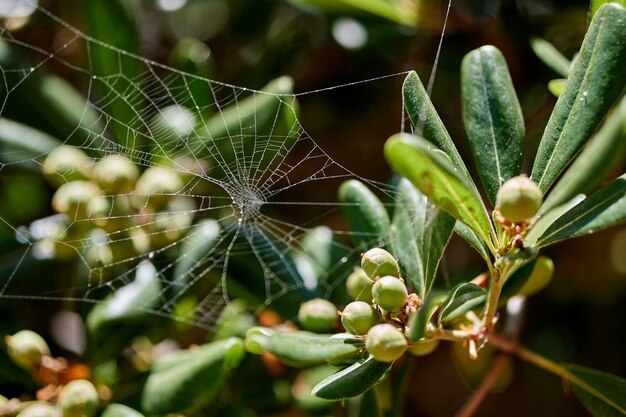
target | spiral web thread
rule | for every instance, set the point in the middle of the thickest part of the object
(233, 179)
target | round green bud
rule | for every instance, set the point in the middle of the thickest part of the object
(318, 316)
(385, 342)
(66, 163)
(26, 348)
(424, 347)
(156, 186)
(115, 174)
(359, 286)
(378, 262)
(79, 398)
(518, 199)
(80, 200)
(390, 293)
(358, 317)
(39, 409)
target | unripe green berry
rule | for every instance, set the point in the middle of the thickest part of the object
(79, 398)
(540, 277)
(80, 200)
(26, 348)
(378, 262)
(359, 286)
(423, 347)
(358, 317)
(39, 409)
(66, 163)
(318, 316)
(518, 199)
(390, 293)
(115, 174)
(385, 342)
(156, 186)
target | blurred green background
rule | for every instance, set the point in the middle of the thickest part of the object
(321, 44)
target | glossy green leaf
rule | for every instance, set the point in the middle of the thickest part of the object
(353, 380)
(438, 231)
(602, 394)
(593, 163)
(20, 144)
(596, 4)
(315, 256)
(130, 304)
(595, 82)
(120, 410)
(401, 13)
(461, 299)
(197, 249)
(545, 220)
(557, 86)
(473, 239)
(551, 56)
(427, 123)
(432, 173)
(365, 214)
(604, 208)
(117, 73)
(302, 349)
(493, 118)
(420, 320)
(187, 380)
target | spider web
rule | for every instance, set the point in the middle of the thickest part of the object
(221, 234)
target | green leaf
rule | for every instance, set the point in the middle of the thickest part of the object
(315, 257)
(545, 220)
(596, 4)
(473, 239)
(116, 72)
(303, 349)
(420, 320)
(595, 82)
(432, 173)
(20, 144)
(120, 410)
(187, 380)
(550, 56)
(130, 304)
(492, 117)
(365, 214)
(197, 248)
(463, 298)
(602, 394)
(594, 162)
(353, 380)
(405, 14)
(557, 86)
(602, 209)
(427, 122)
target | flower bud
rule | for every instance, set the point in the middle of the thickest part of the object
(156, 186)
(26, 348)
(79, 398)
(358, 317)
(80, 200)
(390, 293)
(518, 199)
(359, 286)
(385, 342)
(66, 163)
(318, 316)
(378, 262)
(115, 174)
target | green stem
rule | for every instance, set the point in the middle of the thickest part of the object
(443, 334)
(493, 297)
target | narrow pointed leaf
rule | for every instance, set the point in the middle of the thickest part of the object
(595, 82)
(594, 162)
(546, 220)
(420, 320)
(438, 230)
(551, 56)
(302, 349)
(186, 380)
(432, 173)
(20, 144)
(353, 380)
(129, 304)
(596, 4)
(602, 209)
(197, 249)
(492, 117)
(461, 299)
(607, 396)
(426, 121)
(473, 239)
(365, 214)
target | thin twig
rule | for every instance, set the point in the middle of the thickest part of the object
(477, 398)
